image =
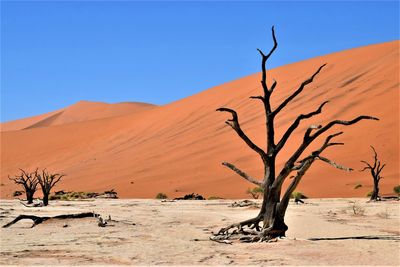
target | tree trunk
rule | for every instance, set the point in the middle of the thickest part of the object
(45, 199)
(29, 196)
(273, 220)
(375, 193)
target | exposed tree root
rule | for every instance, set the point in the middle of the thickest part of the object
(38, 220)
(246, 232)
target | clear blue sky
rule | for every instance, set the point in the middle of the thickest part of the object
(54, 53)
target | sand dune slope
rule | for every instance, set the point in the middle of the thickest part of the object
(81, 111)
(178, 148)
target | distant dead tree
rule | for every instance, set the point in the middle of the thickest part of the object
(275, 202)
(29, 181)
(375, 170)
(47, 181)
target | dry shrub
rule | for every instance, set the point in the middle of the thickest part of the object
(357, 209)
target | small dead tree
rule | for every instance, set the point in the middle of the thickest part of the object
(375, 170)
(29, 181)
(47, 181)
(275, 202)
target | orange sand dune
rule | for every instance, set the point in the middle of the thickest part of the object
(178, 148)
(81, 111)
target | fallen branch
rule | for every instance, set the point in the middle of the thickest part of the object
(386, 237)
(38, 220)
(244, 203)
(223, 241)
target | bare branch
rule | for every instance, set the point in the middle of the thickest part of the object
(264, 61)
(334, 164)
(366, 167)
(310, 129)
(271, 90)
(316, 154)
(380, 169)
(307, 161)
(328, 141)
(55, 180)
(308, 139)
(298, 91)
(295, 124)
(257, 97)
(335, 144)
(341, 122)
(234, 123)
(302, 168)
(375, 156)
(241, 173)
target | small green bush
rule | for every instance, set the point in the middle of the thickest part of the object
(161, 196)
(214, 198)
(298, 195)
(255, 192)
(396, 189)
(369, 194)
(357, 186)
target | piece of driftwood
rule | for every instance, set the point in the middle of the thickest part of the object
(243, 203)
(38, 220)
(33, 205)
(108, 194)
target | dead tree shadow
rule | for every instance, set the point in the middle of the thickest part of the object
(366, 237)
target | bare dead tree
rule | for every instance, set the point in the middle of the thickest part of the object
(47, 181)
(275, 202)
(29, 182)
(375, 170)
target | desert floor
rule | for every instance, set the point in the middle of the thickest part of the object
(151, 232)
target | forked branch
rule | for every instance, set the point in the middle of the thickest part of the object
(319, 129)
(263, 64)
(298, 91)
(295, 124)
(305, 164)
(341, 122)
